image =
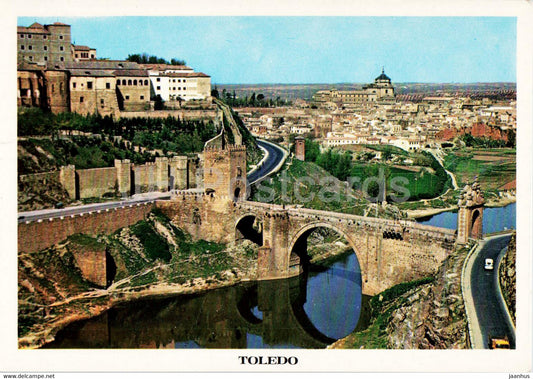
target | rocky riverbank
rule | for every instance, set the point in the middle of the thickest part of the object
(507, 275)
(424, 314)
(149, 259)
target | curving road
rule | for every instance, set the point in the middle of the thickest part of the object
(491, 312)
(276, 156)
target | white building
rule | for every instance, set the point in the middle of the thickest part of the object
(178, 82)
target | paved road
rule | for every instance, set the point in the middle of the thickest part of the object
(490, 310)
(275, 157)
(50, 213)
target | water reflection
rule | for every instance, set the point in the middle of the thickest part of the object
(308, 311)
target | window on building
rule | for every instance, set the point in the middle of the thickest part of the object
(89, 85)
(29, 35)
(60, 37)
(30, 47)
(73, 84)
(45, 37)
(108, 85)
(127, 97)
(45, 48)
(142, 97)
(179, 80)
(46, 58)
(129, 82)
(21, 35)
(81, 99)
(184, 80)
(53, 88)
(31, 58)
(61, 59)
(22, 47)
(60, 48)
(135, 82)
(184, 88)
(92, 55)
(158, 87)
(102, 101)
(158, 79)
(146, 82)
(179, 88)
(123, 82)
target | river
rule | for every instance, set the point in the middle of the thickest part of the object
(309, 311)
(494, 219)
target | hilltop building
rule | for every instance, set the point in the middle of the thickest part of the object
(54, 74)
(381, 90)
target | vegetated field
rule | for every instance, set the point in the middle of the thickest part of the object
(493, 167)
(308, 184)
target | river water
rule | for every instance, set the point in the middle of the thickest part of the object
(494, 219)
(310, 311)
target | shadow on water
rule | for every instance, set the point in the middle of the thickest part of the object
(309, 311)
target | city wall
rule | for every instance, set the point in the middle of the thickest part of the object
(41, 234)
(97, 182)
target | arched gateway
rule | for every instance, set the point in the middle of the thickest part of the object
(470, 216)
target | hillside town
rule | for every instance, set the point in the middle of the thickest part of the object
(373, 116)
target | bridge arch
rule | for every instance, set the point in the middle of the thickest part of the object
(293, 259)
(249, 226)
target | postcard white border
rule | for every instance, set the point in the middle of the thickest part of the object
(519, 360)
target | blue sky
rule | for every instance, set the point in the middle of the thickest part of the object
(312, 49)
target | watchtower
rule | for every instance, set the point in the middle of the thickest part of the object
(299, 148)
(470, 216)
(225, 171)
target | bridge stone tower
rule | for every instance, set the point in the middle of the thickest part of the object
(470, 215)
(225, 171)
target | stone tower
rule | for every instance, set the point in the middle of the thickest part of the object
(225, 171)
(470, 215)
(123, 168)
(299, 148)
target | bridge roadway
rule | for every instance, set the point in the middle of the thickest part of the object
(275, 156)
(335, 217)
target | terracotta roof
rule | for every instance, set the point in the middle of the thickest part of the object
(94, 73)
(102, 65)
(60, 24)
(82, 48)
(32, 30)
(186, 75)
(162, 66)
(138, 72)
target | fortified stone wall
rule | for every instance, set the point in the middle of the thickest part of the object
(97, 182)
(38, 235)
(31, 90)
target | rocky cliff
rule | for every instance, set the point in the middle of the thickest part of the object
(425, 314)
(507, 275)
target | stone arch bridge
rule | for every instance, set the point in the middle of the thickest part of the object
(389, 251)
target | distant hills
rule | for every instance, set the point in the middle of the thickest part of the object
(306, 91)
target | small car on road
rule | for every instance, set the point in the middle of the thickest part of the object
(489, 264)
(499, 343)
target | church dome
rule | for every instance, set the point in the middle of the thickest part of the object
(383, 76)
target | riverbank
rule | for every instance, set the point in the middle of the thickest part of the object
(94, 303)
(423, 314)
